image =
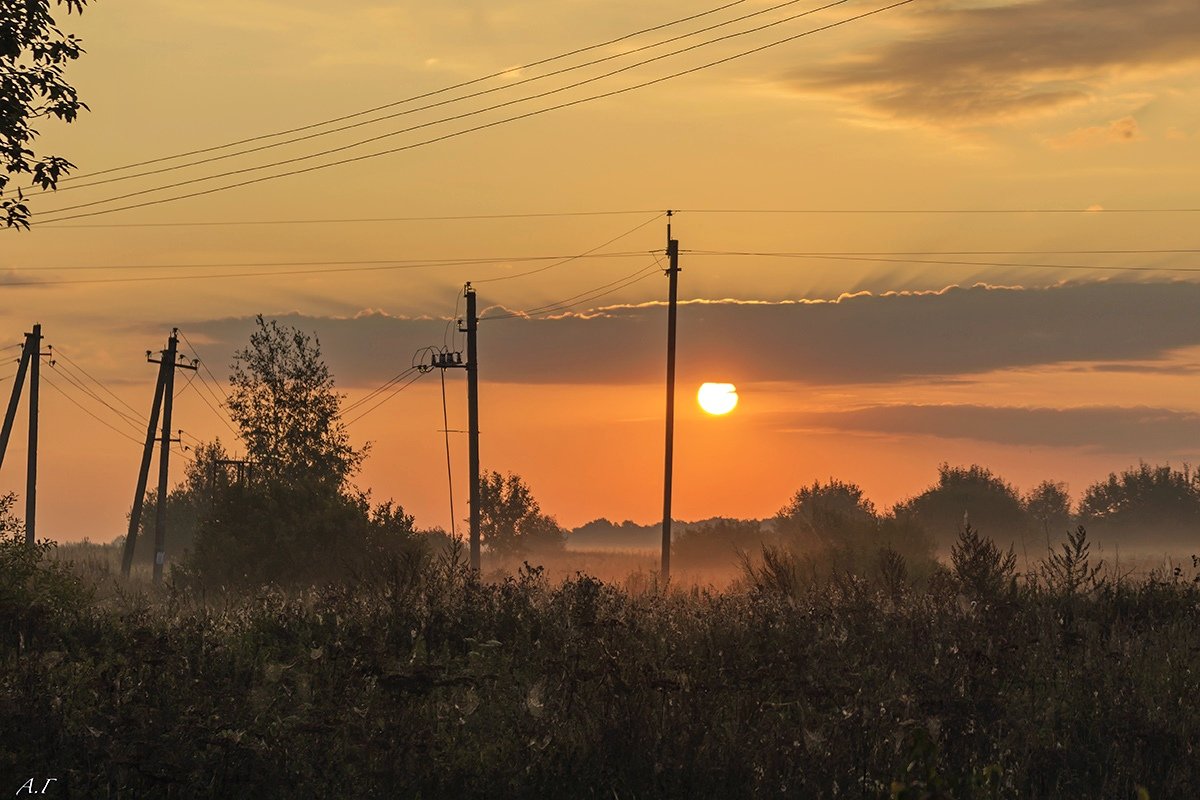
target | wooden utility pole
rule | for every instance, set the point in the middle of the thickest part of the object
(673, 297)
(33, 343)
(472, 330)
(164, 396)
(31, 359)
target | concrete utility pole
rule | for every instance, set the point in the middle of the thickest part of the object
(673, 297)
(164, 396)
(31, 357)
(139, 494)
(472, 330)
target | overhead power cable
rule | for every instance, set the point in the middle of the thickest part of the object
(575, 300)
(442, 120)
(416, 377)
(132, 422)
(954, 263)
(484, 126)
(428, 106)
(390, 382)
(414, 98)
(585, 254)
(88, 411)
(392, 263)
(58, 353)
(379, 266)
(470, 217)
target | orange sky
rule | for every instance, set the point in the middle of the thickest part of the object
(1062, 369)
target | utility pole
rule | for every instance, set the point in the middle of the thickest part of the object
(31, 357)
(164, 392)
(444, 359)
(673, 297)
(139, 494)
(472, 329)
(33, 343)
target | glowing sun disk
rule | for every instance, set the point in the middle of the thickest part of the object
(717, 398)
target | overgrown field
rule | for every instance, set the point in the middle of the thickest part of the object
(422, 681)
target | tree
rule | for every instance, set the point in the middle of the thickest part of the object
(837, 522)
(825, 514)
(293, 516)
(510, 519)
(205, 477)
(967, 494)
(1048, 507)
(289, 416)
(33, 56)
(1158, 505)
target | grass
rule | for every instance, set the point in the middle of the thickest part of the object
(428, 682)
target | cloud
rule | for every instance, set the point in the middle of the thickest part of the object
(1120, 131)
(862, 338)
(967, 65)
(1109, 429)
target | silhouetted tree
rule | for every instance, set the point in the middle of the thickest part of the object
(1154, 504)
(511, 520)
(33, 56)
(826, 514)
(293, 517)
(1048, 506)
(283, 401)
(971, 494)
(839, 527)
(717, 542)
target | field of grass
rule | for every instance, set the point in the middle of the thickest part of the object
(425, 681)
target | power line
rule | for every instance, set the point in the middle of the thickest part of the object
(554, 214)
(413, 98)
(379, 266)
(440, 103)
(494, 123)
(584, 254)
(395, 392)
(443, 120)
(392, 381)
(131, 422)
(957, 263)
(87, 411)
(859, 253)
(392, 263)
(937, 210)
(587, 296)
(58, 353)
(348, 220)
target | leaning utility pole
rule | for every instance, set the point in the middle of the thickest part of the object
(673, 296)
(31, 359)
(472, 329)
(33, 343)
(164, 395)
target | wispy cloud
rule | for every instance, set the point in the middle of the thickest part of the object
(965, 64)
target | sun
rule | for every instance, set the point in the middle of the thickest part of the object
(717, 398)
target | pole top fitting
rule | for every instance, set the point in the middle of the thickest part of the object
(670, 212)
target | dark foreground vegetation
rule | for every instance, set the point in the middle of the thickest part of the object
(420, 680)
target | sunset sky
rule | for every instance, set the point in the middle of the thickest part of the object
(989, 252)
